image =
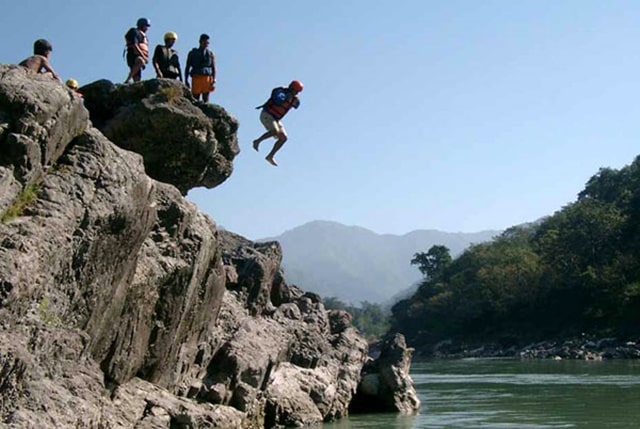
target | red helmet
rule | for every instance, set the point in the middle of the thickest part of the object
(296, 85)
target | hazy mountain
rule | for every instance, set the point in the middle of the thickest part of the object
(356, 264)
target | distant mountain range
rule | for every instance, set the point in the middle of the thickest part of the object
(355, 264)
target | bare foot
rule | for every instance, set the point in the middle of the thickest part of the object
(271, 161)
(255, 144)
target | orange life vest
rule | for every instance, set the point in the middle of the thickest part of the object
(139, 38)
(144, 45)
(277, 108)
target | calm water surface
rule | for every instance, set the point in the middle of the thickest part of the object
(491, 393)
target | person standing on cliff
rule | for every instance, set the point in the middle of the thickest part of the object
(281, 101)
(165, 58)
(39, 61)
(201, 66)
(137, 49)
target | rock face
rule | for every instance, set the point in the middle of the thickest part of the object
(122, 305)
(386, 385)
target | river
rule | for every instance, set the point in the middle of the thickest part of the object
(532, 394)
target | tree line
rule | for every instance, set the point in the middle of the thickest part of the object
(575, 271)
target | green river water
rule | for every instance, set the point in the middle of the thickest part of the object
(533, 394)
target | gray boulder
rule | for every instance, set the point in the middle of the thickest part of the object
(386, 385)
(183, 142)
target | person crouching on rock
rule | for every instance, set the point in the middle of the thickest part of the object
(39, 61)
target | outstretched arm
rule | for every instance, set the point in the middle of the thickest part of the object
(45, 65)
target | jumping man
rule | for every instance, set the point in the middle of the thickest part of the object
(281, 101)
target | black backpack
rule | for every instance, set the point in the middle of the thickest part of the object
(130, 39)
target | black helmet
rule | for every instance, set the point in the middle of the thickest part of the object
(143, 21)
(41, 46)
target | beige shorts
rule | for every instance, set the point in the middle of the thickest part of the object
(270, 123)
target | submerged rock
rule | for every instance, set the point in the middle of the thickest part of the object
(386, 385)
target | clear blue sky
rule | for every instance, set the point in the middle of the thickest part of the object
(452, 115)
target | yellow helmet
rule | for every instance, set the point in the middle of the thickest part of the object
(170, 35)
(72, 83)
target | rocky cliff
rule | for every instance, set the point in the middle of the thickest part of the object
(122, 305)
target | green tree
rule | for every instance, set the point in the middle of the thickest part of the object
(433, 263)
(333, 303)
(582, 248)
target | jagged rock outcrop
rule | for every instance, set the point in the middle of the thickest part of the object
(386, 385)
(183, 142)
(37, 121)
(121, 305)
(307, 364)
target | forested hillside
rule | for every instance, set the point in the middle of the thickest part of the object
(575, 271)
